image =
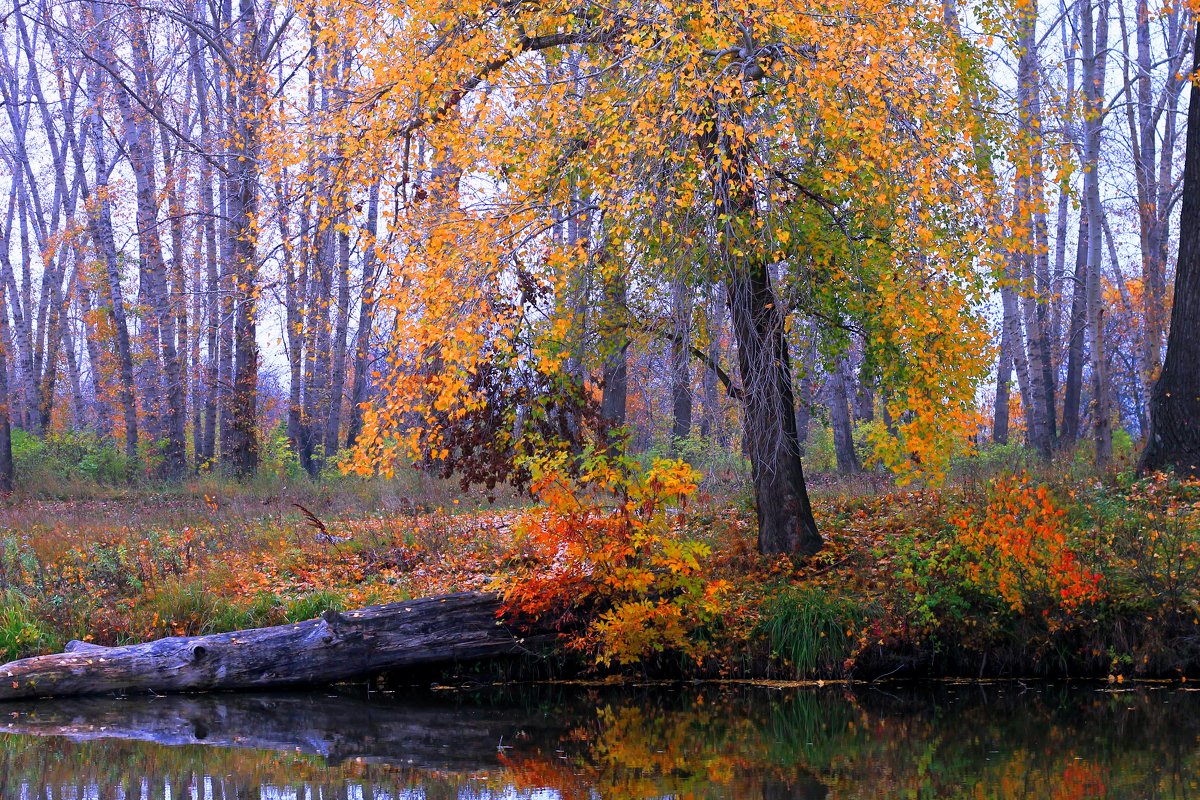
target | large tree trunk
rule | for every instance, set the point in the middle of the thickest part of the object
(1174, 440)
(785, 518)
(336, 647)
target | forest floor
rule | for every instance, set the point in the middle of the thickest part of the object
(1012, 576)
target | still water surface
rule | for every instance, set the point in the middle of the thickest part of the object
(968, 741)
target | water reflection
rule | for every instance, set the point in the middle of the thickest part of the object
(1002, 741)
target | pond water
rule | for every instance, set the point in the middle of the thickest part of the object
(964, 740)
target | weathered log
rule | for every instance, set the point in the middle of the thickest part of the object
(339, 728)
(337, 647)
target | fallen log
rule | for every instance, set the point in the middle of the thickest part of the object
(339, 646)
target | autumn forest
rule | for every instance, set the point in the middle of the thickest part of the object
(708, 339)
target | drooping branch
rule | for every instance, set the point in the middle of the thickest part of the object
(524, 44)
(731, 388)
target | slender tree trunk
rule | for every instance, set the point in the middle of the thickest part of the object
(839, 416)
(243, 207)
(112, 296)
(681, 381)
(139, 147)
(1017, 350)
(337, 379)
(1076, 335)
(614, 344)
(711, 422)
(1030, 224)
(1094, 46)
(1004, 370)
(7, 470)
(366, 319)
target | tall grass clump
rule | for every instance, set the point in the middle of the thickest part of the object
(312, 605)
(21, 632)
(810, 630)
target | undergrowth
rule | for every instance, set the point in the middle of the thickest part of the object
(635, 569)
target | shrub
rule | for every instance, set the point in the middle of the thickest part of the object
(1020, 549)
(609, 563)
(276, 457)
(1153, 531)
(61, 457)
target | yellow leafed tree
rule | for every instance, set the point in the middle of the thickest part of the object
(813, 160)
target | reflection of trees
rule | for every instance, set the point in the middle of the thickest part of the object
(958, 741)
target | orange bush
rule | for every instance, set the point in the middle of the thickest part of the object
(607, 563)
(1020, 549)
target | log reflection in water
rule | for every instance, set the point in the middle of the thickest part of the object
(336, 727)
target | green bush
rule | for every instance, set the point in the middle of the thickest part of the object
(931, 589)
(820, 457)
(276, 457)
(61, 457)
(262, 611)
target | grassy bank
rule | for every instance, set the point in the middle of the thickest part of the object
(1017, 575)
